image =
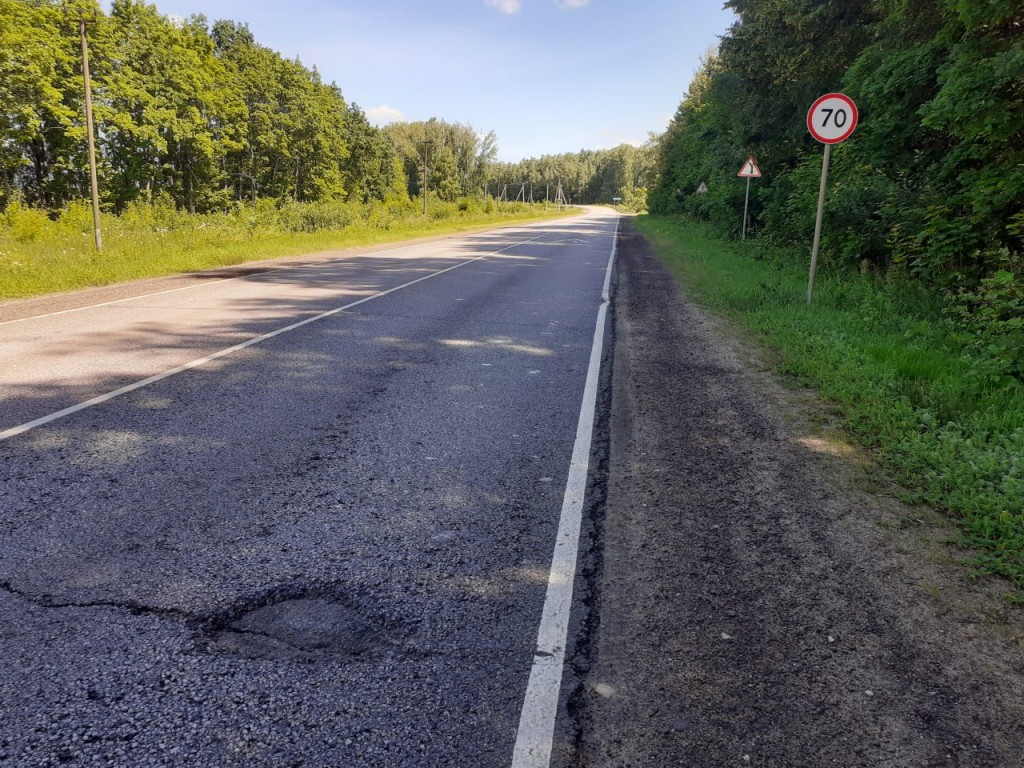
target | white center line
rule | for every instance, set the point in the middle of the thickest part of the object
(540, 705)
(22, 428)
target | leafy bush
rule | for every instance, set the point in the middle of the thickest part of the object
(993, 314)
(25, 224)
(635, 200)
(159, 215)
(77, 218)
(316, 217)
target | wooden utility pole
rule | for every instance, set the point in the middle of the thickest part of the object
(426, 183)
(82, 22)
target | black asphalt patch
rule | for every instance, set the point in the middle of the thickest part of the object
(303, 626)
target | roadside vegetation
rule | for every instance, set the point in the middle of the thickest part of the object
(942, 417)
(213, 149)
(203, 115)
(588, 177)
(40, 255)
(917, 329)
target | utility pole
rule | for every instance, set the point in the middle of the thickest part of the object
(560, 196)
(426, 183)
(82, 22)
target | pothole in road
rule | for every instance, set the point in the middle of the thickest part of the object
(302, 628)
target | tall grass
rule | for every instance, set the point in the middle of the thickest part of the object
(39, 255)
(941, 418)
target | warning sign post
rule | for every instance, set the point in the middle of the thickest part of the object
(748, 171)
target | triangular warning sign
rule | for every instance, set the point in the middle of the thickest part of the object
(750, 169)
(702, 189)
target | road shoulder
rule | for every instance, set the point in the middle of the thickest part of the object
(764, 599)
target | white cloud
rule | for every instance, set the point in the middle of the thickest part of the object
(514, 6)
(384, 114)
(509, 6)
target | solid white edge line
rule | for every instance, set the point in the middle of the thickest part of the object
(540, 705)
(29, 425)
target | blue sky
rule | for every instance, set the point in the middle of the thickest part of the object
(547, 76)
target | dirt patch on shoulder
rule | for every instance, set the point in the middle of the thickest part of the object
(765, 598)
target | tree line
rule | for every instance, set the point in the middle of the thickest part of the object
(200, 114)
(930, 185)
(588, 177)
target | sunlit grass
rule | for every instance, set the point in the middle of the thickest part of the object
(39, 256)
(949, 430)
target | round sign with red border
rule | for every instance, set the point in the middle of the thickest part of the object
(832, 118)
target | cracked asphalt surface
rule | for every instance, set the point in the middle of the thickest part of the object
(331, 548)
(327, 549)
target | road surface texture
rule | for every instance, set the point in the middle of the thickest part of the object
(759, 602)
(331, 546)
(328, 548)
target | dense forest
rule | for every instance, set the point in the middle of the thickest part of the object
(931, 184)
(586, 177)
(199, 113)
(203, 115)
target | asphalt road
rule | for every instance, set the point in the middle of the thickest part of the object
(327, 548)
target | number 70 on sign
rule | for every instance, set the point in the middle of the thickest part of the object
(831, 119)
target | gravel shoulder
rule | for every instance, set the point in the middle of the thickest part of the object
(764, 598)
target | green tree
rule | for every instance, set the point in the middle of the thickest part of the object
(459, 157)
(42, 121)
(369, 172)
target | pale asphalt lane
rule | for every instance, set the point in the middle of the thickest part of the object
(329, 548)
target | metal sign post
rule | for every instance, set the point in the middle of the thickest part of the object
(748, 171)
(831, 119)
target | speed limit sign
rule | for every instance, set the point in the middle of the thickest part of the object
(832, 118)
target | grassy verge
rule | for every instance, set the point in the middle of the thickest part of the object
(899, 371)
(39, 255)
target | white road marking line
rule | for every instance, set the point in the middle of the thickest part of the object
(119, 301)
(540, 706)
(204, 284)
(285, 268)
(22, 428)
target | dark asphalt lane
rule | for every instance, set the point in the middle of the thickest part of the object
(328, 549)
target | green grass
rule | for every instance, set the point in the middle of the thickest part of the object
(39, 256)
(946, 426)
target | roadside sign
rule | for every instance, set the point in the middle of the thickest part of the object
(702, 189)
(750, 169)
(832, 118)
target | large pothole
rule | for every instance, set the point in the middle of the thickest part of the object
(302, 628)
